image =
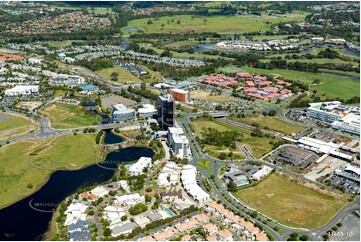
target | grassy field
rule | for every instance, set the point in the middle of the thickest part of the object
(61, 44)
(31, 156)
(69, 116)
(290, 203)
(273, 123)
(205, 164)
(258, 146)
(331, 86)
(125, 77)
(206, 95)
(59, 93)
(184, 54)
(230, 69)
(219, 24)
(13, 125)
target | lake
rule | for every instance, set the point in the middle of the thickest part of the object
(29, 218)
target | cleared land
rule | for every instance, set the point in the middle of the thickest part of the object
(258, 146)
(11, 125)
(125, 77)
(290, 203)
(219, 24)
(29, 105)
(229, 69)
(273, 123)
(331, 86)
(63, 116)
(59, 153)
(108, 101)
(208, 96)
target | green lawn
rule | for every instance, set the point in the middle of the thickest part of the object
(59, 93)
(219, 24)
(272, 123)
(63, 116)
(125, 77)
(61, 44)
(14, 125)
(290, 203)
(21, 163)
(205, 164)
(258, 146)
(330, 86)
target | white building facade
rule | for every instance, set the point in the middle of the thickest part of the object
(22, 90)
(179, 142)
(122, 113)
(138, 168)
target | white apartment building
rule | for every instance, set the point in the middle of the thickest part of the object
(122, 113)
(179, 142)
(188, 178)
(137, 168)
(22, 90)
(67, 80)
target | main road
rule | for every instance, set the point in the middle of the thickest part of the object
(220, 189)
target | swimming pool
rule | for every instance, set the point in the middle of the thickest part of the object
(169, 212)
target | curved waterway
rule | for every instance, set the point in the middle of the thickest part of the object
(29, 218)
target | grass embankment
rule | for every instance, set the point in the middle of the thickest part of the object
(208, 96)
(331, 86)
(268, 122)
(258, 146)
(205, 164)
(125, 77)
(197, 55)
(219, 24)
(64, 116)
(291, 203)
(13, 125)
(32, 161)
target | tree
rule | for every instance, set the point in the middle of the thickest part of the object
(232, 187)
(222, 156)
(178, 21)
(148, 198)
(304, 237)
(114, 76)
(272, 112)
(148, 189)
(150, 21)
(107, 232)
(123, 218)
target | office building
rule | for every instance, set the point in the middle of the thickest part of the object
(343, 118)
(180, 95)
(22, 90)
(165, 111)
(122, 113)
(147, 110)
(325, 111)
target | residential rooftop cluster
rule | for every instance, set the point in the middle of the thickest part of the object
(65, 23)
